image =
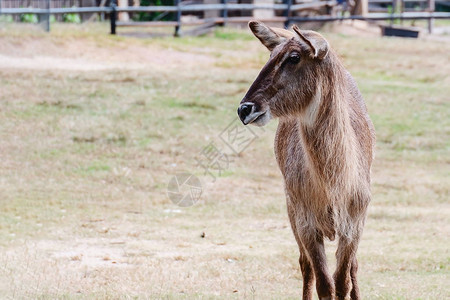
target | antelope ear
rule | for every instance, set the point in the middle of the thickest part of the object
(269, 37)
(316, 42)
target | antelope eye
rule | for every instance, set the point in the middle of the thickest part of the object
(294, 57)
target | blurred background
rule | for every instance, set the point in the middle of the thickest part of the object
(125, 173)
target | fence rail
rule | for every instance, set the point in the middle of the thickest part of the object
(379, 17)
(51, 11)
(181, 7)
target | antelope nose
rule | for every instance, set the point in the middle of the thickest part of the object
(244, 110)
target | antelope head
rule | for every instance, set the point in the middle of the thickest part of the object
(290, 79)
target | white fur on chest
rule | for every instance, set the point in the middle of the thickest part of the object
(311, 111)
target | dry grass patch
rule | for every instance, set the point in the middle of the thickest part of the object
(94, 126)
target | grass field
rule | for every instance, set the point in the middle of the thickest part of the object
(93, 127)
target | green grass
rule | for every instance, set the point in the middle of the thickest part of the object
(90, 142)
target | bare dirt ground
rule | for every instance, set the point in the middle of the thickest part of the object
(94, 127)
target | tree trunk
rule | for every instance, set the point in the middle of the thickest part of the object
(361, 8)
(123, 16)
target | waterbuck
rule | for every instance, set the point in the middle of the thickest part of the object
(324, 147)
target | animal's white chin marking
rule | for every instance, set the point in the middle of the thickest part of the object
(263, 119)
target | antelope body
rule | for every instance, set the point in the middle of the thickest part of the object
(324, 147)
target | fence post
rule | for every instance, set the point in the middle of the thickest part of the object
(178, 18)
(287, 12)
(47, 16)
(402, 8)
(432, 8)
(394, 8)
(113, 16)
(224, 12)
(398, 7)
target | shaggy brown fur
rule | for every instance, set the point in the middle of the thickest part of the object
(324, 147)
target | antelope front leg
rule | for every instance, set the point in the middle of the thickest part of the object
(346, 268)
(313, 244)
(307, 274)
(305, 264)
(354, 294)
